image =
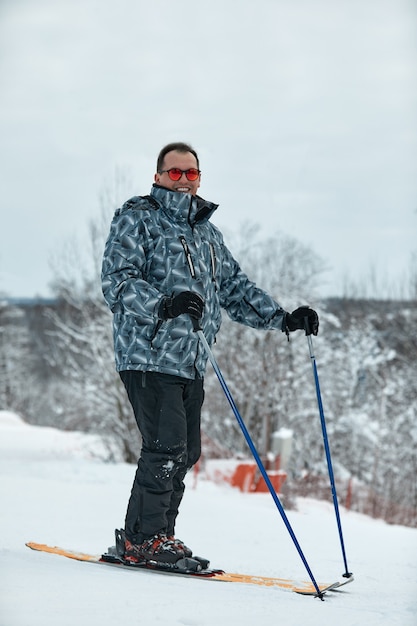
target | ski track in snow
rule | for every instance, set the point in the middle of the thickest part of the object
(54, 491)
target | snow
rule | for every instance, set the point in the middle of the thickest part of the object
(54, 489)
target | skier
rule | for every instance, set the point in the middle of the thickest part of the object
(164, 263)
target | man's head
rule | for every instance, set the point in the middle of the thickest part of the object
(178, 156)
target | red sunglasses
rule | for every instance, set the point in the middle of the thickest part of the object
(175, 173)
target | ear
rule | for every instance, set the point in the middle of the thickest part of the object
(157, 178)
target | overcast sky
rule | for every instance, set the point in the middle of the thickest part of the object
(304, 114)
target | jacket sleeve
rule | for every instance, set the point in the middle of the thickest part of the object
(124, 286)
(243, 300)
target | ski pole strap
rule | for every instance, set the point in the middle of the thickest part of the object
(286, 329)
(196, 324)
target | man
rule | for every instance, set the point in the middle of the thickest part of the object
(165, 263)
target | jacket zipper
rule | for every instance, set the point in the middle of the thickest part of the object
(213, 260)
(213, 265)
(188, 256)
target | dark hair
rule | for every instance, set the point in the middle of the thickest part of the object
(179, 146)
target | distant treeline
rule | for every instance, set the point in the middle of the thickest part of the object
(57, 369)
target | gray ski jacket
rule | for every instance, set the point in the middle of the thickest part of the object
(158, 246)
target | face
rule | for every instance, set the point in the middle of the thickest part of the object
(182, 160)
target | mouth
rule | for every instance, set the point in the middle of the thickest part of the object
(183, 189)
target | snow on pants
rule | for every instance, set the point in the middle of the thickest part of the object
(168, 413)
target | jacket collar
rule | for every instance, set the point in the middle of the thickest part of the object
(183, 205)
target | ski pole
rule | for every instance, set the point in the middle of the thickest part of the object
(203, 340)
(347, 574)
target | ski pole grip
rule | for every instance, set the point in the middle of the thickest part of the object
(307, 326)
(196, 324)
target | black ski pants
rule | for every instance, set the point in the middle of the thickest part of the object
(168, 413)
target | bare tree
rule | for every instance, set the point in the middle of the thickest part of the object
(82, 334)
(17, 360)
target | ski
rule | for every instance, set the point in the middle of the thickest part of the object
(190, 567)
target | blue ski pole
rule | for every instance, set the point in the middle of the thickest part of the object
(347, 574)
(203, 340)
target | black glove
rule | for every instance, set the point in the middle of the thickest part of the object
(302, 318)
(185, 302)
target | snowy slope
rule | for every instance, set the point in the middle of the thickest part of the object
(53, 490)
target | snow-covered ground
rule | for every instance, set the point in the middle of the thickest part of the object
(53, 489)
